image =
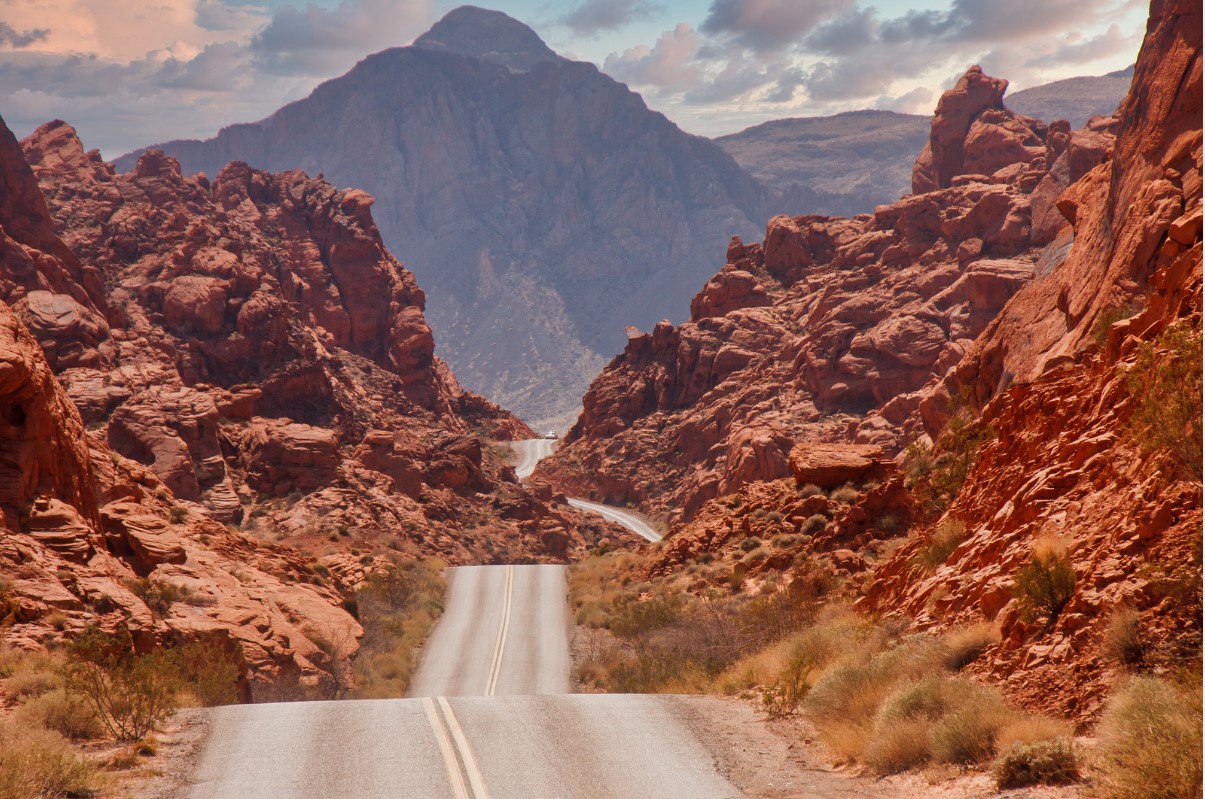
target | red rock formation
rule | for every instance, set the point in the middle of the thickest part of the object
(1063, 461)
(833, 330)
(262, 338)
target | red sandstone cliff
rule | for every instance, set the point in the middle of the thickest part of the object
(832, 329)
(816, 340)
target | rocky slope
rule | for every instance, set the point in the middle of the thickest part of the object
(1058, 379)
(270, 361)
(1066, 460)
(541, 203)
(832, 328)
(84, 530)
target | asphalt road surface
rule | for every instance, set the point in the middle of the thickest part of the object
(629, 520)
(531, 451)
(505, 630)
(491, 719)
(501, 747)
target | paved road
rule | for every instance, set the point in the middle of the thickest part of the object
(476, 728)
(525, 747)
(505, 630)
(629, 520)
(531, 451)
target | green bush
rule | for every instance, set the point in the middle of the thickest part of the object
(1166, 386)
(1053, 762)
(1150, 741)
(129, 693)
(1046, 583)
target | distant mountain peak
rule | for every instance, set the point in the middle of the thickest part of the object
(489, 36)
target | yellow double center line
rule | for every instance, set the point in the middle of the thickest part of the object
(499, 648)
(476, 783)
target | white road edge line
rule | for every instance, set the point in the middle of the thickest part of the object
(445, 749)
(496, 664)
(466, 754)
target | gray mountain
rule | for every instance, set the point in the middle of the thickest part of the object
(541, 204)
(848, 163)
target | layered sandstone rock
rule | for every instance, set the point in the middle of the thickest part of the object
(261, 336)
(1065, 461)
(833, 330)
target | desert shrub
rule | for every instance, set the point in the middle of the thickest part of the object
(210, 673)
(845, 494)
(633, 615)
(751, 543)
(1031, 728)
(940, 544)
(1150, 741)
(129, 693)
(33, 676)
(968, 732)
(846, 699)
(58, 711)
(1165, 383)
(964, 645)
(756, 556)
(1046, 583)
(178, 514)
(39, 764)
(398, 608)
(1040, 763)
(1123, 638)
(813, 523)
(159, 595)
(809, 490)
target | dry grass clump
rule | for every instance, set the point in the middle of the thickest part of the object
(36, 763)
(940, 544)
(56, 710)
(1047, 762)
(1150, 741)
(965, 644)
(846, 494)
(1123, 641)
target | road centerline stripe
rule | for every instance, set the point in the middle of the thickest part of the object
(445, 750)
(500, 647)
(466, 753)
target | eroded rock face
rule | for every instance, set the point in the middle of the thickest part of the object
(1064, 462)
(831, 331)
(261, 336)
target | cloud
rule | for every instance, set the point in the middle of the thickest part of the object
(9, 37)
(668, 63)
(593, 16)
(921, 100)
(319, 41)
(769, 25)
(1076, 49)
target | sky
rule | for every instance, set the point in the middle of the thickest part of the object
(128, 73)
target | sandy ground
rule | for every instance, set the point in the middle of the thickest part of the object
(166, 775)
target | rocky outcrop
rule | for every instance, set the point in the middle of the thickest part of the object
(1065, 461)
(832, 331)
(261, 338)
(540, 202)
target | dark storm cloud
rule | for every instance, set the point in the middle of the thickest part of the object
(769, 25)
(10, 37)
(593, 16)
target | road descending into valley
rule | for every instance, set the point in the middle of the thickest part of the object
(533, 450)
(490, 716)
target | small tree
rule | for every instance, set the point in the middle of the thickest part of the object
(130, 693)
